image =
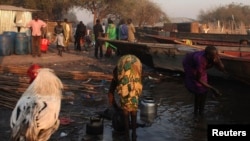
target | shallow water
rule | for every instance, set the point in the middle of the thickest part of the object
(175, 119)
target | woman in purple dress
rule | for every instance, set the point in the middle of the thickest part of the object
(195, 66)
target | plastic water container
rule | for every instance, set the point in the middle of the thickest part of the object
(5, 42)
(12, 35)
(21, 44)
(29, 44)
(28, 34)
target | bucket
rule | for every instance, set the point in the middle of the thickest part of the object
(12, 35)
(148, 109)
(21, 44)
(5, 42)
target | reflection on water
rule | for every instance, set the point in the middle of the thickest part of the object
(175, 119)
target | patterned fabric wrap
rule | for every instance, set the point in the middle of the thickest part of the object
(129, 69)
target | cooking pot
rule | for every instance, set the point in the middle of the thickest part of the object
(95, 126)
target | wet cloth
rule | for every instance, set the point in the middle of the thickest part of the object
(129, 86)
(193, 64)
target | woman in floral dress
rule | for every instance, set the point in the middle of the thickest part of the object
(127, 83)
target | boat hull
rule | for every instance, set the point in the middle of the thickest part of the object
(170, 56)
(203, 39)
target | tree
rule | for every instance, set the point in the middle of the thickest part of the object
(99, 8)
(138, 10)
(226, 14)
(48, 9)
(144, 11)
(118, 9)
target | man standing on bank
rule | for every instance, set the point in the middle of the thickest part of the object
(80, 35)
(36, 26)
(98, 31)
(195, 65)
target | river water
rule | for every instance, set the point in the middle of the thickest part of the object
(175, 120)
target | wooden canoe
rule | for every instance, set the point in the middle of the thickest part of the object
(153, 54)
(170, 56)
(204, 39)
(162, 39)
(235, 59)
(220, 38)
(238, 66)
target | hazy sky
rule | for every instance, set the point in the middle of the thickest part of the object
(178, 8)
(191, 8)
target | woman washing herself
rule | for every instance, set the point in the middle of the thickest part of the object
(127, 82)
(195, 65)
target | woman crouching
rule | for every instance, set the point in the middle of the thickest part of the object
(127, 82)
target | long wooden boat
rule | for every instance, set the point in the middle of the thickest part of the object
(162, 39)
(239, 65)
(211, 36)
(203, 39)
(170, 56)
(152, 54)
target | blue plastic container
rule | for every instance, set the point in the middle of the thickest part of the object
(21, 44)
(12, 35)
(29, 44)
(5, 42)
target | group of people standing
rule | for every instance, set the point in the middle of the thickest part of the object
(123, 31)
(61, 30)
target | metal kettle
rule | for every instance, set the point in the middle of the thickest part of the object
(95, 126)
(148, 108)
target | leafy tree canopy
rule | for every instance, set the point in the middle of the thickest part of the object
(141, 11)
(232, 12)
